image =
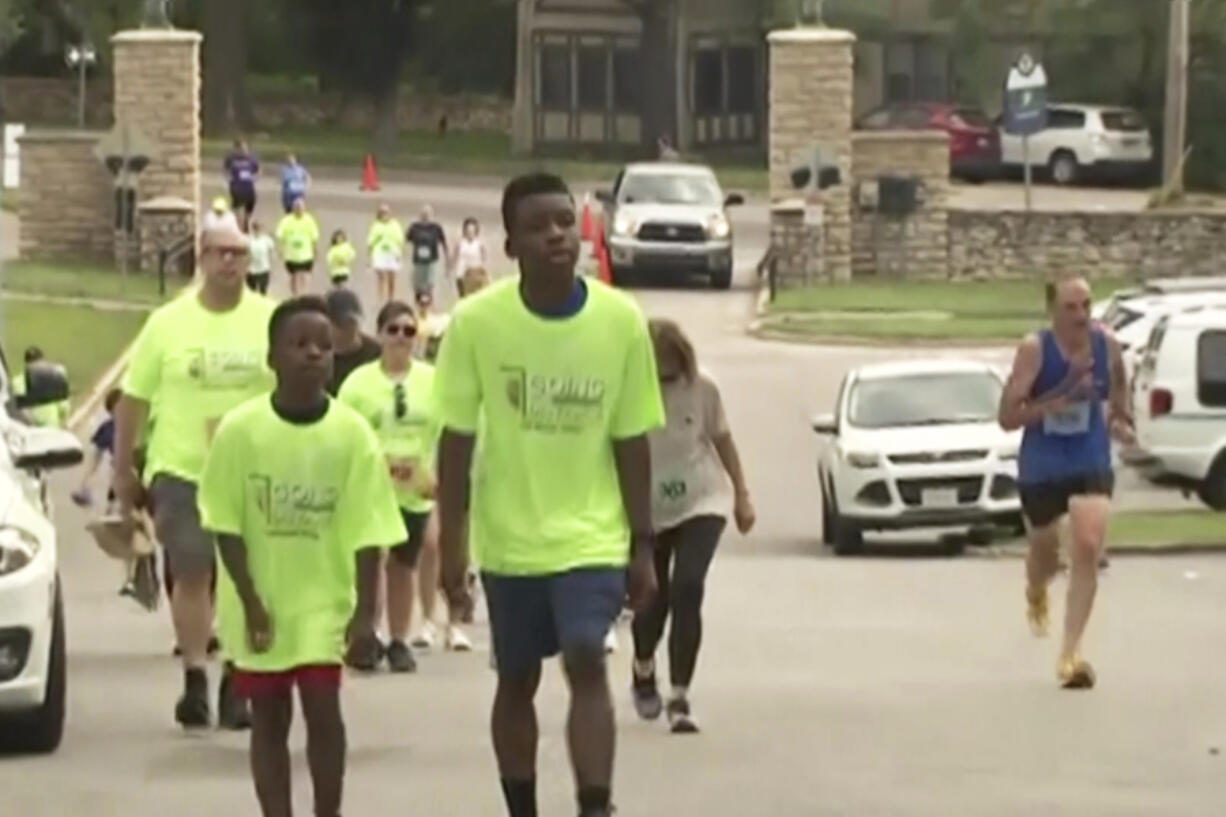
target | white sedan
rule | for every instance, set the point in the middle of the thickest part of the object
(33, 674)
(916, 445)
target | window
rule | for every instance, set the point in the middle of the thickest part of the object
(708, 81)
(931, 72)
(627, 80)
(1211, 369)
(924, 400)
(743, 79)
(1127, 121)
(555, 77)
(899, 71)
(593, 78)
(1065, 119)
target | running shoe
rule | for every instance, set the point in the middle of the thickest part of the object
(680, 720)
(232, 712)
(647, 701)
(1036, 611)
(192, 710)
(457, 640)
(128, 591)
(600, 811)
(425, 637)
(1075, 673)
(400, 657)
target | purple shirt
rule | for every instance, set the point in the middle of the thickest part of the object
(242, 168)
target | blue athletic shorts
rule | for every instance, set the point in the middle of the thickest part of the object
(536, 617)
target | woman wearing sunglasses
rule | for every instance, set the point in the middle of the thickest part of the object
(396, 396)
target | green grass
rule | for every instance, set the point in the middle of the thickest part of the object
(59, 330)
(979, 310)
(1174, 527)
(82, 281)
(479, 153)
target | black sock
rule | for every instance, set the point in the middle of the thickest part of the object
(520, 796)
(593, 798)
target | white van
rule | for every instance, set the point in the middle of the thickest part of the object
(1179, 399)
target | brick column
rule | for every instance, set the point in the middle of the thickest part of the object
(157, 92)
(811, 87)
(64, 201)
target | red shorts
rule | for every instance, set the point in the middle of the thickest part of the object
(249, 684)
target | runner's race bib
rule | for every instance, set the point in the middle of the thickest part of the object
(1068, 421)
(423, 252)
(671, 491)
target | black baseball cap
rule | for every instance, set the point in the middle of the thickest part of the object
(343, 305)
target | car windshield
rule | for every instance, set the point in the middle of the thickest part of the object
(678, 188)
(1128, 121)
(924, 400)
(970, 118)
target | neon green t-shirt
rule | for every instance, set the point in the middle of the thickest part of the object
(386, 237)
(304, 498)
(52, 415)
(555, 393)
(340, 260)
(194, 366)
(406, 425)
(298, 236)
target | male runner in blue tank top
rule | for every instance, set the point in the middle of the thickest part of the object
(1061, 378)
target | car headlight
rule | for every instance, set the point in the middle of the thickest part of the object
(862, 459)
(17, 549)
(625, 225)
(719, 227)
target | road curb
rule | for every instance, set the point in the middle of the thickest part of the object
(98, 393)
(757, 329)
(1128, 551)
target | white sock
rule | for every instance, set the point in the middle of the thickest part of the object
(679, 693)
(644, 668)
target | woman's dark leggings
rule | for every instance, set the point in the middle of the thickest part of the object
(683, 555)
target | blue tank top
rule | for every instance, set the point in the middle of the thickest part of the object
(1073, 442)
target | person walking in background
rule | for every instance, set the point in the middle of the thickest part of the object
(429, 244)
(470, 252)
(385, 243)
(697, 483)
(298, 235)
(296, 492)
(263, 249)
(242, 172)
(295, 182)
(341, 256)
(51, 415)
(354, 348)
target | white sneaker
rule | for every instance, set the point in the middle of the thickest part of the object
(457, 641)
(610, 642)
(425, 637)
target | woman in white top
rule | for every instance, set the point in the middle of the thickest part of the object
(697, 484)
(470, 252)
(263, 248)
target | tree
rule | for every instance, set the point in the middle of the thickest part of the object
(659, 69)
(226, 32)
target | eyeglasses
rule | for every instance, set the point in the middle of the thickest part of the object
(400, 404)
(397, 329)
(229, 253)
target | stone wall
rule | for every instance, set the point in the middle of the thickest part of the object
(65, 202)
(894, 246)
(1097, 244)
(796, 256)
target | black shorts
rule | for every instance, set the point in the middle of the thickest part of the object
(258, 281)
(1045, 502)
(408, 552)
(299, 267)
(243, 198)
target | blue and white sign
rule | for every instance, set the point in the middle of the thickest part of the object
(1026, 97)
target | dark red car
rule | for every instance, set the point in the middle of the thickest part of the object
(974, 144)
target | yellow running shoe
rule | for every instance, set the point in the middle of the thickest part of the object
(1036, 610)
(1075, 673)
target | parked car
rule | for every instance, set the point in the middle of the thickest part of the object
(1179, 401)
(33, 673)
(1084, 141)
(916, 445)
(974, 143)
(669, 217)
(1133, 314)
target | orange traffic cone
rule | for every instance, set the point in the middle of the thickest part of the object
(602, 256)
(586, 228)
(370, 176)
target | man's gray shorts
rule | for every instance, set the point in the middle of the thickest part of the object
(423, 278)
(176, 522)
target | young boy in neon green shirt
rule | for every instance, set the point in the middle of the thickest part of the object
(341, 256)
(297, 494)
(298, 235)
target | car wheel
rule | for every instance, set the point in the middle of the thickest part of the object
(1017, 525)
(721, 279)
(1064, 167)
(827, 513)
(848, 539)
(41, 731)
(980, 536)
(1213, 490)
(621, 276)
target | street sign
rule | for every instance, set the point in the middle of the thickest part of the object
(12, 155)
(1026, 97)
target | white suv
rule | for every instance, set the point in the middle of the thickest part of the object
(1179, 399)
(1085, 140)
(916, 445)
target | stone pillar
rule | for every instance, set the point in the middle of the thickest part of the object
(64, 202)
(164, 224)
(796, 243)
(157, 94)
(811, 96)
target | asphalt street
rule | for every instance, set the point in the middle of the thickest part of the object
(903, 686)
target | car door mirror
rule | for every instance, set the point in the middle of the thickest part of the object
(825, 425)
(36, 448)
(734, 200)
(45, 383)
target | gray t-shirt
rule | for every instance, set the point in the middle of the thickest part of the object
(688, 477)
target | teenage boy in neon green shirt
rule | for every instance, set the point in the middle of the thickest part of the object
(560, 373)
(297, 493)
(298, 235)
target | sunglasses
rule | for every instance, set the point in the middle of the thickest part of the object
(400, 405)
(398, 329)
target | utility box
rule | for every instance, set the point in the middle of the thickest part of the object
(897, 195)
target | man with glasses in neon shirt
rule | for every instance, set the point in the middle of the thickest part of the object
(197, 358)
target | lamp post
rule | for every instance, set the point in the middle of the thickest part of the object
(809, 12)
(81, 58)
